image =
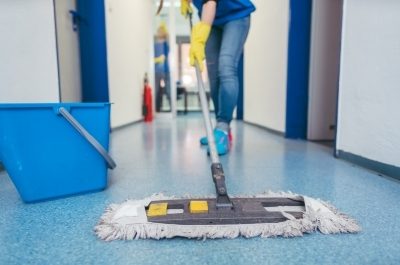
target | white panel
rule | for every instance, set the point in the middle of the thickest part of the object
(181, 23)
(369, 109)
(68, 52)
(129, 54)
(173, 50)
(28, 64)
(324, 69)
(266, 65)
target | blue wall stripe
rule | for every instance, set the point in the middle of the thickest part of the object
(93, 50)
(298, 68)
(381, 168)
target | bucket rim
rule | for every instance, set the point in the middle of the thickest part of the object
(52, 105)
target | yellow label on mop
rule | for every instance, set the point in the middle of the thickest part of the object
(198, 207)
(157, 209)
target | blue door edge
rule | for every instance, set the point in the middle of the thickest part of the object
(93, 50)
(298, 69)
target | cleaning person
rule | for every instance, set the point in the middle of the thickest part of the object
(268, 214)
(219, 38)
(161, 64)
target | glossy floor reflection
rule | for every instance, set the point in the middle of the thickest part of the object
(165, 156)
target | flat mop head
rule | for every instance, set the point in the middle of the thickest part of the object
(265, 215)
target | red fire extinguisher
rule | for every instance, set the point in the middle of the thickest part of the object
(147, 108)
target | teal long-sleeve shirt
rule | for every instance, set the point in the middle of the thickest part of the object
(228, 10)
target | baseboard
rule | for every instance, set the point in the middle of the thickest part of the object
(265, 128)
(126, 125)
(381, 168)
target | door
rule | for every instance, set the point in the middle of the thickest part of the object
(324, 69)
(68, 51)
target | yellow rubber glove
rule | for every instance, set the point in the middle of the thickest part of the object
(186, 8)
(200, 33)
(159, 59)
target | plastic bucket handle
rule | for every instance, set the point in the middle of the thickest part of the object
(110, 162)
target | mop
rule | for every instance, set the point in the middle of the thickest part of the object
(270, 214)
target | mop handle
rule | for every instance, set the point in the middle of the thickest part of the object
(222, 200)
(204, 107)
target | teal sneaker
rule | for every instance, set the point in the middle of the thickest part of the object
(204, 140)
(221, 141)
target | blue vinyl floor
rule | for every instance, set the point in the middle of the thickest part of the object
(165, 156)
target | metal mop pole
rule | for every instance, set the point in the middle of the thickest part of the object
(223, 200)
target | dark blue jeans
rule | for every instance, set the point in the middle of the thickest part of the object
(160, 91)
(223, 51)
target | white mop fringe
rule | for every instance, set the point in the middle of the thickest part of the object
(318, 216)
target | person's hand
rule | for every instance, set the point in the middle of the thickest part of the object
(186, 8)
(200, 33)
(159, 59)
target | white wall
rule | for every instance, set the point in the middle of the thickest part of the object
(324, 69)
(369, 92)
(266, 65)
(28, 57)
(129, 53)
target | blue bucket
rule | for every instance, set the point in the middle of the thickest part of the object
(55, 150)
